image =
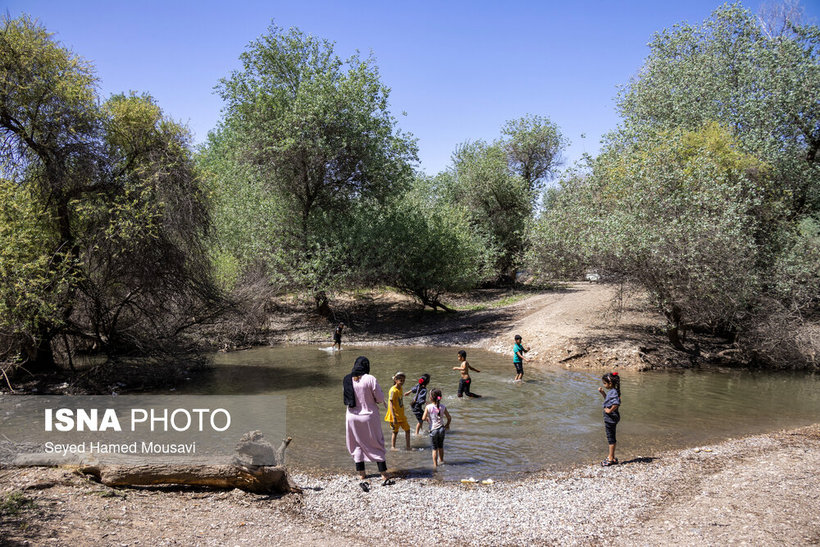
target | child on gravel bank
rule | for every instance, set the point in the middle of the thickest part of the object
(464, 368)
(612, 400)
(433, 413)
(420, 397)
(395, 411)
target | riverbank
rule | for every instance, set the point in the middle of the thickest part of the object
(571, 325)
(756, 490)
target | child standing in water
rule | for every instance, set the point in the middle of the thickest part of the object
(518, 357)
(337, 336)
(612, 400)
(419, 399)
(395, 411)
(433, 414)
(464, 369)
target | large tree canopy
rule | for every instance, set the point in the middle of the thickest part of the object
(731, 70)
(497, 185)
(678, 213)
(307, 140)
(317, 129)
(497, 201)
(710, 190)
(105, 217)
(533, 145)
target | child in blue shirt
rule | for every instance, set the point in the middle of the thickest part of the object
(518, 357)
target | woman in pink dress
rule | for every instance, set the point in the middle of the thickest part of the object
(365, 440)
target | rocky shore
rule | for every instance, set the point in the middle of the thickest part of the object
(759, 490)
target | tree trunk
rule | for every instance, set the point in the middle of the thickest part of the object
(259, 480)
(322, 304)
(38, 356)
(674, 338)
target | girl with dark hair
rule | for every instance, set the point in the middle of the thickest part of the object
(362, 396)
(433, 413)
(420, 397)
(612, 401)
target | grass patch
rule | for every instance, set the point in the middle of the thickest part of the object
(500, 303)
(15, 503)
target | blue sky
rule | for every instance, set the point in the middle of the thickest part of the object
(458, 69)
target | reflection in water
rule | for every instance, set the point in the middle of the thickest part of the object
(552, 419)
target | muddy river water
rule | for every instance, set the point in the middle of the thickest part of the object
(550, 420)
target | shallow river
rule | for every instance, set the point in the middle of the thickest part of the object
(552, 419)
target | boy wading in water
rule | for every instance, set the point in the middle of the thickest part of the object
(337, 336)
(464, 368)
(518, 357)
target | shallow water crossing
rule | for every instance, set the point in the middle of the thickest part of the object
(552, 419)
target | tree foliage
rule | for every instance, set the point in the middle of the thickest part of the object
(707, 195)
(533, 145)
(678, 213)
(306, 140)
(497, 185)
(423, 246)
(731, 71)
(314, 132)
(106, 217)
(497, 201)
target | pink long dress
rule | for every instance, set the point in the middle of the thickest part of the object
(363, 434)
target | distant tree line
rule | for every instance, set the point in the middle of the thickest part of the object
(115, 236)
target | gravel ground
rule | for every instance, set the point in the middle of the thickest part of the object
(756, 490)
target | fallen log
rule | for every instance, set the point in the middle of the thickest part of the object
(259, 479)
(250, 471)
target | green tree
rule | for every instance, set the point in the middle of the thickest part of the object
(498, 202)
(727, 111)
(317, 133)
(677, 213)
(108, 243)
(730, 70)
(533, 145)
(498, 184)
(423, 246)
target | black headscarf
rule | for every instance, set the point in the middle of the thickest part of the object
(360, 368)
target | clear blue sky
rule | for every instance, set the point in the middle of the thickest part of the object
(459, 69)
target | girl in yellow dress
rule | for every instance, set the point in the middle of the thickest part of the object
(395, 411)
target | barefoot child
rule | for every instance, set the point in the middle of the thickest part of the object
(395, 411)
(433, 414)
(518, 357)
(419, 399)
(612, 400)
(337, 336)
(464, 369)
